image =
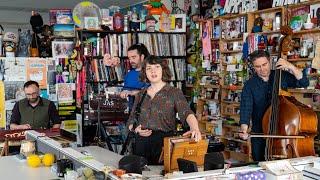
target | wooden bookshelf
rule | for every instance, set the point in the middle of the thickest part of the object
(229, 52)
(232, 87)
(307, 31)
(269, 10)
(300, 59)
(310, 91)
(231, 102)
(233, 39)
(231, 16)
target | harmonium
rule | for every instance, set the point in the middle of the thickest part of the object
(185, 148)
(18, 135)
(15, 138)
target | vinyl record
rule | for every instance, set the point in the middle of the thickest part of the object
(85, 9)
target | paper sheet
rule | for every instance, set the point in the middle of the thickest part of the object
(281, 167)
(15, 69)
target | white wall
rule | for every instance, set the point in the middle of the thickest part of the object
(12, 20)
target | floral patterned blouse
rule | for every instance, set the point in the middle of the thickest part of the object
(159, 113)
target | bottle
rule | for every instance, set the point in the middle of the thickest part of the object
(277, 21)
(34, 51)
(1, 47)
(118, 24)
(314, 18)
(98, 45)
(126, 23)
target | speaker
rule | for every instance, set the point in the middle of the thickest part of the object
(187, 166)
(132, 164)
(214, 160)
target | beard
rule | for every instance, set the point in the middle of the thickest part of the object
(151, 28)
(134, 65)
(33, 100)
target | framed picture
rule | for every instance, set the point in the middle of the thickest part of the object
(58, 16)
(316, 100)
(150, 23)
(178, 22)
(62, 49)
(91, 23)
(64, 30)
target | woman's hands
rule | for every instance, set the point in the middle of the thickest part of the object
(195, 134)
(143, 132)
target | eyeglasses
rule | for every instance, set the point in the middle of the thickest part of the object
(32, 94)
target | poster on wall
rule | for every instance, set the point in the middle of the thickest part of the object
(64, 92)
(51, 79)
(15, 69)
(13, 91)
(37, 71)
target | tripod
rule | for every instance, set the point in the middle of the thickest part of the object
(102, 138)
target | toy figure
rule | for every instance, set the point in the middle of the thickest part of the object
(156, 7)
(10, 41)
(24, 42)
(216, 9)
(258, 22)
(45, 42)
(134, 20)
(267, 25)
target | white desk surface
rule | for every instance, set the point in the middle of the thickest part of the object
(12, 168)
(102, 155)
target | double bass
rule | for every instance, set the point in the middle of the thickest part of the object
(288, 125)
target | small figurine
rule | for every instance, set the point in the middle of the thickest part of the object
(156, 7)
(216, 9)
(25, 38)
(258, 23)
(134, 20)
(45, 41)
(267, 25)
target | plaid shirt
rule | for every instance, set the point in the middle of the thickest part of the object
(159, 113)
(256, 97)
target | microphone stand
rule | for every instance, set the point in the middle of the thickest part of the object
(101, 138)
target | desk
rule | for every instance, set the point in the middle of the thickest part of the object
(104, 156)
(17, 169)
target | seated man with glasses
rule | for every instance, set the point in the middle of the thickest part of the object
(34, 112)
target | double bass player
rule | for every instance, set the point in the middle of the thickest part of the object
(257, 94)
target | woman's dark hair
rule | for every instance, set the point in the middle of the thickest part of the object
(29, 83)
(258, 54)
(166, 74)
(141, 49)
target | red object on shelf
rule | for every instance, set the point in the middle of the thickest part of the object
(118, 22)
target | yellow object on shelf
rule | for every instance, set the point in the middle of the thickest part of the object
(48, 159)
(33, 160)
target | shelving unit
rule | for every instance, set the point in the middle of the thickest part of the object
(225, 88)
